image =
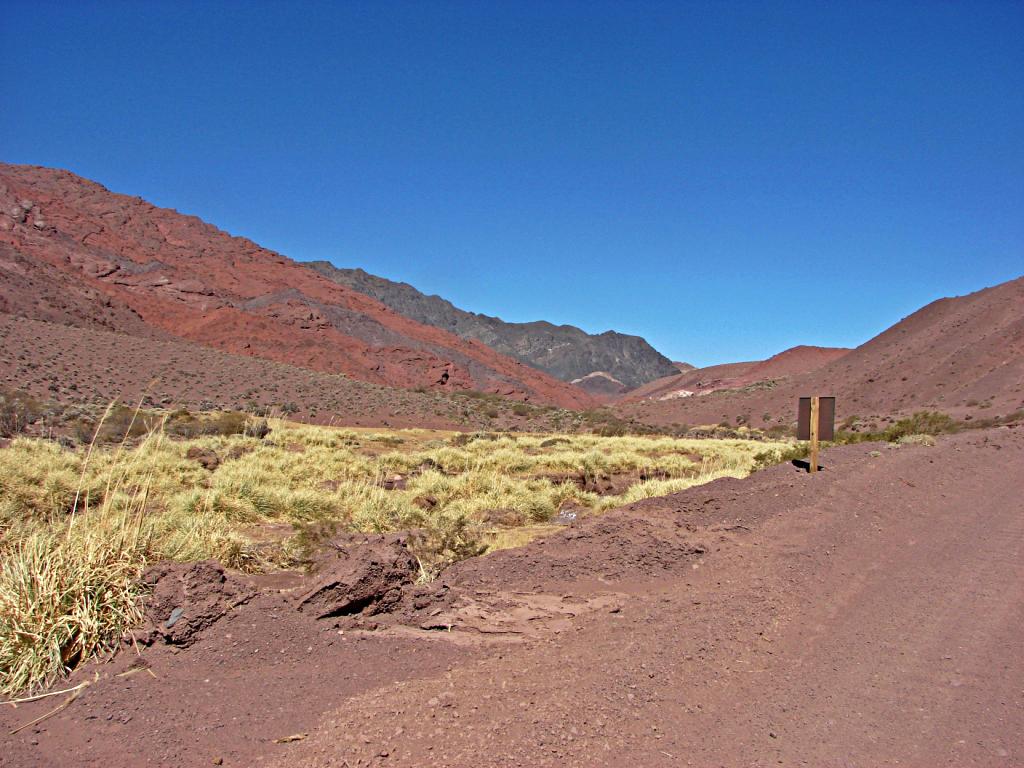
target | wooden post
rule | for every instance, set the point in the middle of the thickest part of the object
(815, 406)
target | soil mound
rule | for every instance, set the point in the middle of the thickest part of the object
(187, 598)
(360, 575)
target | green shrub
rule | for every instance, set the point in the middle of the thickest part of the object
(922, 423)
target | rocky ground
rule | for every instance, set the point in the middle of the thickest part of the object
(867, 615)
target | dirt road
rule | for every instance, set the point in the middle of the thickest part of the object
(872, 614)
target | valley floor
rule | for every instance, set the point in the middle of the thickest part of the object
(867, 615)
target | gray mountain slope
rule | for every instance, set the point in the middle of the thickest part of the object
(564, 351)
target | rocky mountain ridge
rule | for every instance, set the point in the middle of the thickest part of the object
(564, 351)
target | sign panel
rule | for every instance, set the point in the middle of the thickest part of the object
(826, 418)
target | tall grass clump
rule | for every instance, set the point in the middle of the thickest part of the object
(66, 596)
(69, 585)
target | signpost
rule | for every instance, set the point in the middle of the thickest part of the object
(816, 420)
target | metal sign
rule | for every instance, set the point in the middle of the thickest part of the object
(826, 418)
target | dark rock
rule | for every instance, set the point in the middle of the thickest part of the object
(425, 502)
(393, 483)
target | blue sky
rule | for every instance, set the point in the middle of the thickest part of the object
(725, 179)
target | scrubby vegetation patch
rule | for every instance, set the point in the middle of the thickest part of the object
(78, 524)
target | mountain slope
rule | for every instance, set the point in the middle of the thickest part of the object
(73, 252)
(564, 351)
(963, 356)
(702, 381)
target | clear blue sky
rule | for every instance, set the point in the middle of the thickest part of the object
(725, 179)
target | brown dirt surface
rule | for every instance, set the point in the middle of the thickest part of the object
(867, 615)
(81, 255)
(962, 356)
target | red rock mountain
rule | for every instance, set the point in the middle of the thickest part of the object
(963, 356)
(74, 253)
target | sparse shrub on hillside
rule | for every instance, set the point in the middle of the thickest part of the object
(256, 408)
(613, 429)
(17, 411)
(844, 437)
(777, 431)
(117, 424)
(551, 442)
(780, 454)
(465, 438)
(604, 422)
(181, 423)
(384, 439)
(922, 423)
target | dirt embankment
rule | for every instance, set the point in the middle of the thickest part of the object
(866, 615)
